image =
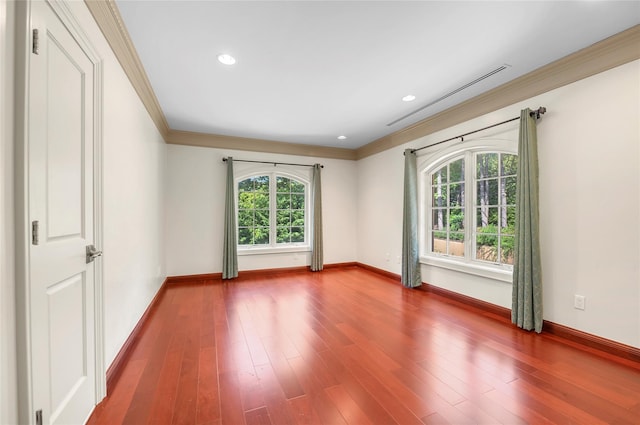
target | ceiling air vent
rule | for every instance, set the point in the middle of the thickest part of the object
(451, 93)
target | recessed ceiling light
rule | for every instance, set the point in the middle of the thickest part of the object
(409, 98)
(342, 137)
(226, 59)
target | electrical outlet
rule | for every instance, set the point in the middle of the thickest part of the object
(387, 256)
(578, 302)
(398, 259)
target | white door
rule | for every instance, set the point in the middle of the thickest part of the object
(61, 201)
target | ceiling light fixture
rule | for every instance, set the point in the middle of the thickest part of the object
(226, 59)
(408, 98)
(342, 137)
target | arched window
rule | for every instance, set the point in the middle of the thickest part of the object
(272, 211)
(469, 209)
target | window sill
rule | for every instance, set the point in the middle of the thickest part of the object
(273, 250)
(501, 273)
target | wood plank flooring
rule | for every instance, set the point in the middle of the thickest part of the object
(348, 346)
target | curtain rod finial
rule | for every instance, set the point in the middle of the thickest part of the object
(538, 112)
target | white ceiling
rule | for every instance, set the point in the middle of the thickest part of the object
(308, 71)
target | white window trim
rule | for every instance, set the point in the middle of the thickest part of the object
(274, 248)
(430, 163)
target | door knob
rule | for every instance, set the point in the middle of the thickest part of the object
(92, 253)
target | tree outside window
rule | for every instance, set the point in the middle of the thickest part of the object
(448, 202)
(495, 207)
(486, 235)
(271, 211)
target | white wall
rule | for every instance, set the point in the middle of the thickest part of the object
(590, 206)
(134, 166)
(194, 202)
(8, 390)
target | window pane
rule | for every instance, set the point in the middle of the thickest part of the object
(262, 218)
(245, 218)
(487, 192)
(493, 191)
(503, 212)
(297, 234)
(261, 183)
(439, 176)
(439, 196)
(487, 247)
(245, 185)
(456, 171)
(297, 202)
(261, 200)
(283, 201)
(297, 217)
(283, 184)
(439, 219)
(456, 219)
(506, 246)
(283, 218)
(509, 194)
(485, 217)
(456, 195)
(439, 242)
(283, 234)
(511, 220)
(297, 187)
(456, 244)
(486, 165)
(245, 200)
(245, 236)
(509, 164)
(261, 236)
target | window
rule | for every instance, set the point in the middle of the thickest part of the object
(272, 212)
(495, 207)
(469, 210)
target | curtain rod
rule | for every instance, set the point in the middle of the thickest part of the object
(541, 110)
(271, 162)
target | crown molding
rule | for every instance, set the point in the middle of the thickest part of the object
(109, 20)
(189, 138)
(609, 53)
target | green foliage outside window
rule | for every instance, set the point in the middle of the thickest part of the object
(448, 192)
(495, 206)
(255, 209)
(290, 211)
(494, 192)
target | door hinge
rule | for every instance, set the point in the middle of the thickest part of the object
(35, 237)
(39, 417)
(35, 42)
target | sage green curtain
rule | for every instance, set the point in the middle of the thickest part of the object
(230, 248)
(317, 246)
(410, 256)
(526, 309)
(316, 228)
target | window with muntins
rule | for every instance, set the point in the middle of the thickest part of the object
(272, 212)
(495, 207)
(470, 208)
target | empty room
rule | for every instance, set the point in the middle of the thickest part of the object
(319, 212)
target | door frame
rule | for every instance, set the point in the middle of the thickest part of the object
(25, 380)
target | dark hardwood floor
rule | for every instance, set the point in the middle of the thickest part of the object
(348, 346)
